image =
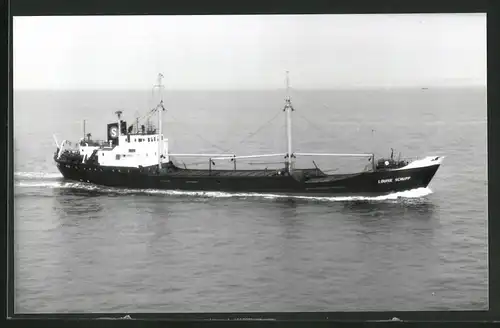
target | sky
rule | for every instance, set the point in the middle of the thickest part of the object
(248, 52)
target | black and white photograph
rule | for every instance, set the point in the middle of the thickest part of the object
(250, 163)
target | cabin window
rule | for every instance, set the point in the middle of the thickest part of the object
(161, 137)
(102, 154)
(117, 156)
(149, 139)
(131, 150)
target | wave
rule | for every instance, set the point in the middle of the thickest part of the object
(414, 193)
(38, 175)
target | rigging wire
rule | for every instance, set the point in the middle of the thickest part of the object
(250, 135)
(199, 136)
(259, 129)
(264, 163)
(313, 124)
(307, 120)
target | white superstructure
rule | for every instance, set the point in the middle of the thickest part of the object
(134, 151)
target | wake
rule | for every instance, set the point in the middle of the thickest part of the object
(55, 181)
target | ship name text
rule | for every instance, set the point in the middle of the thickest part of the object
(391, 180)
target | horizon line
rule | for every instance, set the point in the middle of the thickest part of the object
(361, 87)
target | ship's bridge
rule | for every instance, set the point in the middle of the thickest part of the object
(134, 150)
(131, 150)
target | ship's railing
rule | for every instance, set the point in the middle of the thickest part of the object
(93, 143)
(67, 146)
(200, 155)
(332, 154)
(231, 157)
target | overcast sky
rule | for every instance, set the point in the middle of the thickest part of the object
(249, 52)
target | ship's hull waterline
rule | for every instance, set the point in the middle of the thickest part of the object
(370, 183)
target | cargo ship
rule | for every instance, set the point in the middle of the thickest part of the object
(138, 157)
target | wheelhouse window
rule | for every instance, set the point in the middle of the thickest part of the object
(117, 156)
(131, 150)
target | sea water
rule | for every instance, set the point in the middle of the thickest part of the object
(84, 248)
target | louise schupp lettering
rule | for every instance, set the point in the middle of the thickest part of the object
(390, 180)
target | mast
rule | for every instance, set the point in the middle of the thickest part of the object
(288, 108)
(119, 114)
(160, 110)
(83, 129)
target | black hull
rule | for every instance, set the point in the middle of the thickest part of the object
(362, 184)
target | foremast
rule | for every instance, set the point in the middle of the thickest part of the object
(160, 108)
(289, 109)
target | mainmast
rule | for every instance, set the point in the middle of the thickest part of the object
(289, 108)
(160, 108)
